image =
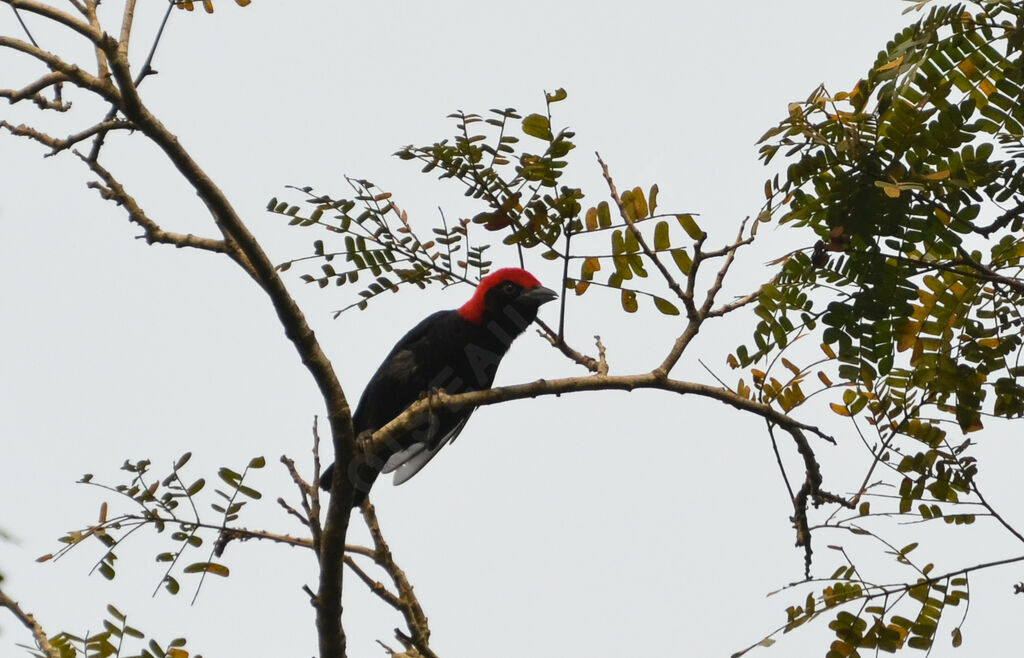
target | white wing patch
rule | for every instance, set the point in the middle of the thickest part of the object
(408, 462)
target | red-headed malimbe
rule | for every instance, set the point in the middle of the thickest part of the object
(456, 351)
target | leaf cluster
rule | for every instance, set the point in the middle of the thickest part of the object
(514, 165)
(117, 640)
(157, 504)
(912, 185)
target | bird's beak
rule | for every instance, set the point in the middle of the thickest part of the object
(539, 295)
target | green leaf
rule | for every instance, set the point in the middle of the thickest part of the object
(683, 261)
(690, 226)
(537, 125)
(249, 491)
(208, 567)
(661, 237)
(229, 476)
(257, 462)
(604, 215)
(558, 95)
(665, 306)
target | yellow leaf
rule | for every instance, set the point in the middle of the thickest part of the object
(891, 65)
(906, 335)
(839, 409)
(892, 191)
(790, 366)
(690, 226)
(967, 67)
(558, 95)
(639, 203)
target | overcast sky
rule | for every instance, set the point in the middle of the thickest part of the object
(596, 525)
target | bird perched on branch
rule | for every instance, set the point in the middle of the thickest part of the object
(457, 351)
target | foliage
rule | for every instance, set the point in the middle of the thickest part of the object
(912, 187)
(117, 639)
(528, 205)
(158, 504)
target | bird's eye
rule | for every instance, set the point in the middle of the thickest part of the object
(509, 287)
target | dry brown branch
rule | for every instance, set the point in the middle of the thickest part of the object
(99, 86)
(57, 16)
(406, 601)
(32, 91)
(602, 361)
(57, 144)
(29, 622)
(730, 256)
(112, 190)
(126, 24)
(588, 362)
(121, 92)
(379, 442)
(375, 586)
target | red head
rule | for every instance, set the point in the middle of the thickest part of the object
(474, 309)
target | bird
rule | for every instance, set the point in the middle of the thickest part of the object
(456, 351)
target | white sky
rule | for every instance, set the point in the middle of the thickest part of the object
(600, 525)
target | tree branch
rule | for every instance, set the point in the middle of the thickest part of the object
(588, 362)
(71, 72)
(406, 601)
(57, 16)
(381, 440)
(32, 91)
(247, 252)
(112, 190)
(31, 624)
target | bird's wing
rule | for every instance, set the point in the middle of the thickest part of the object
(408, 462)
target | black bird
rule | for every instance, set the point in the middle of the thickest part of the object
(457, 351)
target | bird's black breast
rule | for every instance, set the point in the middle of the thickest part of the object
(444, 351)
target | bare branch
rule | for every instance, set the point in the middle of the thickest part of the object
(31, 624)
(126, 24)
(375, 586)
(416, 413)
(406, 602)
(588, 362)
(730, 256)
(738, 303)
(113, 190)
(32, 91)
(57, 16)
(602, 365)
(72, 73)
(146, 70)
(57, 144)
